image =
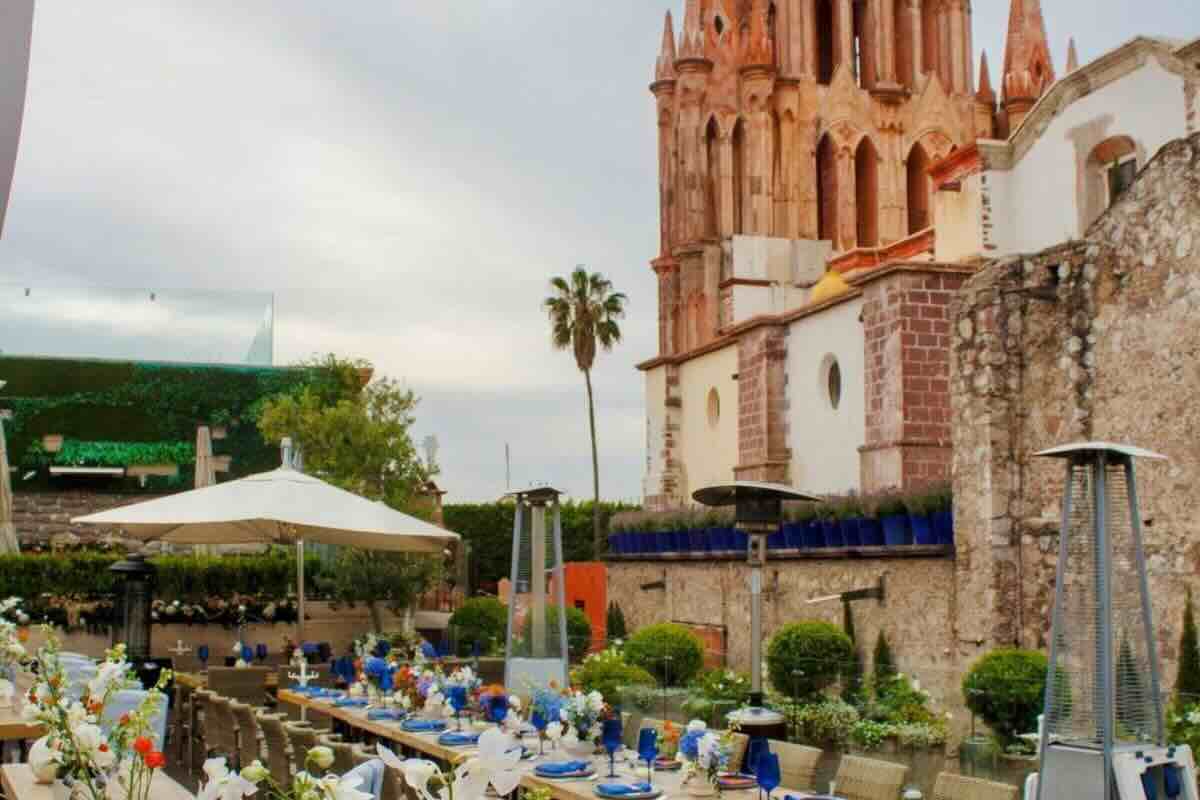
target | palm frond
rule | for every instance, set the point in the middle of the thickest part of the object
(608, 333)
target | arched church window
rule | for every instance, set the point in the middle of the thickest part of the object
(739, 178)
(866, 193)
(712, 187)
(827, 191)
(824, 49)
(917, 169)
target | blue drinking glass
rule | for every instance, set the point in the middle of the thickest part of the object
(261, 651)
(457, 695)
(648, 746)
(767, 772)
(538, 720)
(247, 653)
(202, 654)
(611, 737)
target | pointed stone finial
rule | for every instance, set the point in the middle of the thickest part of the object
(1028, 68)
(1072, 57)
(691, 44)
(985, 92)
(664, 69)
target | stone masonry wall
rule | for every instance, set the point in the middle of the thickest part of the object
(1115, 356)
(39, 516)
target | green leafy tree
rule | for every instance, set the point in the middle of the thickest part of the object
(615, 622)
(1187, 680)
(583, 312)
(852, 690)
(803, 658)
(480, 619)
(668, 651)
(359, 438)
(1006, 687)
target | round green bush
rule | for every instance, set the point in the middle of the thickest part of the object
(579, 630)
(608, 673)
(1007, 689)
(480, 619)
(649, 647)
(805, 657)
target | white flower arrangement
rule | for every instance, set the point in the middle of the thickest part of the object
(494, 765)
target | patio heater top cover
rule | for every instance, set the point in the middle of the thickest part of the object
(728, 494)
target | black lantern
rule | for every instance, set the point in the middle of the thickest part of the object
(133, 606)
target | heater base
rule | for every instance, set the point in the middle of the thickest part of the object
(1140, 772)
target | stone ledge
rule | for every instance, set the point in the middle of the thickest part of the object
(814, 554)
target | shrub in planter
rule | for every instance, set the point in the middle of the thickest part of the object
(480, 619)
(942, 514)
(609, 673)
(805, 657)
(827, 722)
(893, 515)
(647, 647)
(1006, 689)
(797, 524)
(715, 693)
(870, 530)
(848, 512)
(920, 509)
(831, 531)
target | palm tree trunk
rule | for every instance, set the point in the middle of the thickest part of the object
(596, 543)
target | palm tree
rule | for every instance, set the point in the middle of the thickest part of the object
(584, 311)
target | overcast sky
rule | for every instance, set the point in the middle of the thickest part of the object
(404, 176)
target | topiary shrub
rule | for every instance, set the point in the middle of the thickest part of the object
(805, 657)
(648, 646)
(1007, 689)
(615, 623)
(1187, 680)
(480, 619)
(579, 630)
(608, 673)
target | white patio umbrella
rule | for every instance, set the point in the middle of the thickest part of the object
(283, 506)
(8, 531)
(205, 475)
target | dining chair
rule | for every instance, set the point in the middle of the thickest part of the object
(960, 787)
(861, 778)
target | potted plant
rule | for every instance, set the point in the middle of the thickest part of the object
(796, 526)
(814, 532)
(830, 528)
(849, 511)
(919, 505)
(717, 535)
(870, 531)
(893, 516)
(943, 514)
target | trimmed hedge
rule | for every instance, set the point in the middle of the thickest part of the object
(805, 657)
(1007, 687)
(648, 647)
(480, 619)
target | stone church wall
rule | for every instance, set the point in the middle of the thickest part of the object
(1115, 356)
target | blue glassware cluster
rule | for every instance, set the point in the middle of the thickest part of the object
(899, 530)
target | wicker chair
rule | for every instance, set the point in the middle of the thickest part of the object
(245, 684)
(392, 780)
(343, 752)
(303, 738)
(797, 765)
(959, 787)
(868, 779)
(220, 730)
(249, 733)
(197, 715)
(279, 749)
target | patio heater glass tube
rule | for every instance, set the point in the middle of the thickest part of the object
(133, 615)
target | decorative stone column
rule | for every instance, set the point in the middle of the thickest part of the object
(958, 37)
(843, 34)
(912, 8)
(847, 213)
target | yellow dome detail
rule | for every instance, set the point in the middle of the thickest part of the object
(830, 286)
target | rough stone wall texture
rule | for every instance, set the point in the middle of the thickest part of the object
(763, 452)
(41, 515)
(1114, 357)
(917, 615)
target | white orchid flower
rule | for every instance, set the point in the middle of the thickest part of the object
(697, 726)
(417, 773)
(224, 784)
(344, 788)
(321, 755)
(496, 764)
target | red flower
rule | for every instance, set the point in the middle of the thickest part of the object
(155, 759)
(142, 745)
(124, 720)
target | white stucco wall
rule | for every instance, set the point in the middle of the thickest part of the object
(656, 380)
(708, 452)
(959, 219)
(1036, 203)
(824, 440)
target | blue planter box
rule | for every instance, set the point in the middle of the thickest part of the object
(922, 529)
(683, 542)
(699, 540)
(849, 529)
(776, 541)
(719, 539)
(895, 530)
(741, 540)
(814, 536)
(793, 535)
(832, 533)
(943, 527)
(870, 532)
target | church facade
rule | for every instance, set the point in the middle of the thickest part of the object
(830, 173)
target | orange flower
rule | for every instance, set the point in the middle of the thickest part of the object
(124, 720)
(143, 745)
(155, 759)
(23, 634)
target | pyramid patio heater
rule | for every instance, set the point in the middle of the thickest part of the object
(1103, 735)
(758, 511)
(536, 646)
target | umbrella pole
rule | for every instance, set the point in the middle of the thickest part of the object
(300, 590)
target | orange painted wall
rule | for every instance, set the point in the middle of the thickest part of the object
(587, 583)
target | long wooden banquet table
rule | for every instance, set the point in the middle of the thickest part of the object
(564, 789)
(19, 785)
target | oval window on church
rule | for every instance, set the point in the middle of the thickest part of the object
(833, 382)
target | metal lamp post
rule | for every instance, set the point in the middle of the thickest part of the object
(133, 606)
(758, 511)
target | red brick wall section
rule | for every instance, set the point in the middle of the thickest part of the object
(907, 339)
(763, 452)
(40, 515)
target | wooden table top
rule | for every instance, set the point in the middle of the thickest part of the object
(199, 680)
(669, 782)
(19, 785)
